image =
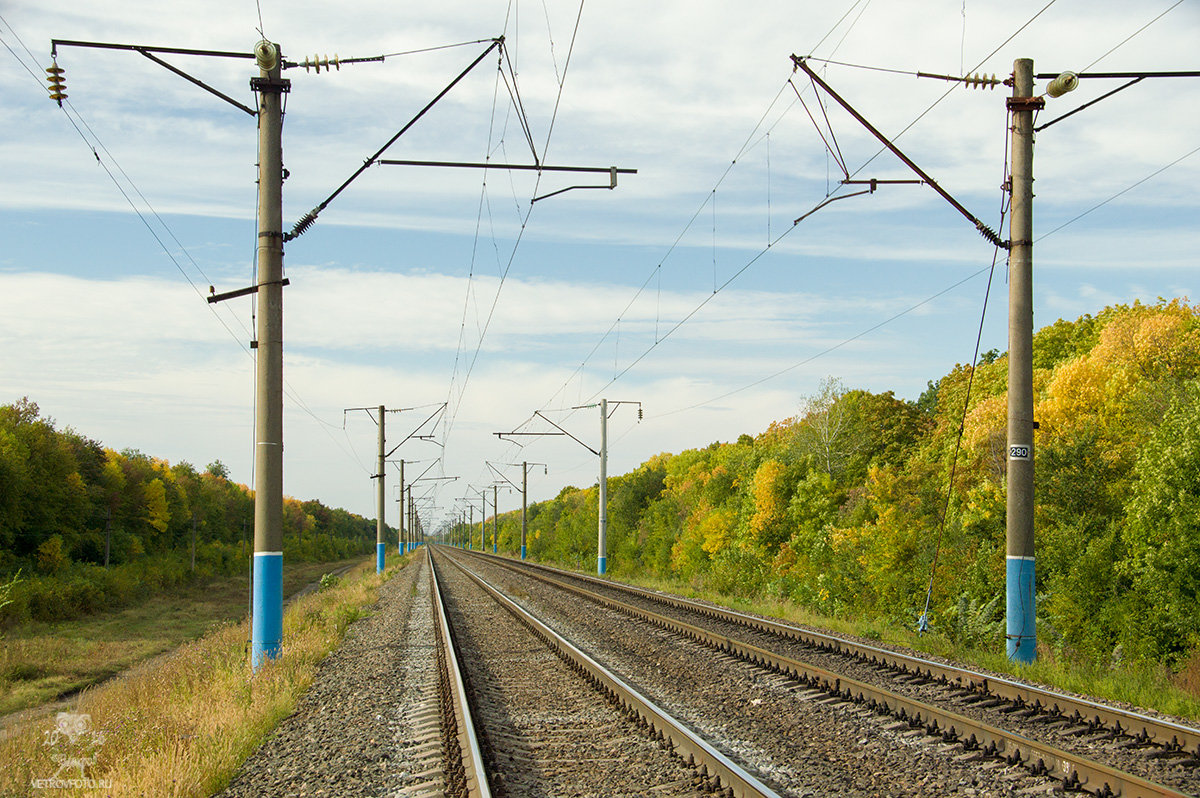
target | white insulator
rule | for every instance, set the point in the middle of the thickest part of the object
(266, 54)
(1062, 84)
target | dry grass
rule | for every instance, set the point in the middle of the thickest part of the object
(183, 725)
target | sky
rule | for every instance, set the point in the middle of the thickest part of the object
(688, 288)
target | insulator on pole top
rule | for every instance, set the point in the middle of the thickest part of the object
(58, 84)
(316, 62)
(978, 81)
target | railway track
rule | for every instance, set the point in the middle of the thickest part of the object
(1071, 743)
(566, 726)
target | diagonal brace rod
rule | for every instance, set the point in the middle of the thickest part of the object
(412, 434)
(564, 432)
(196, 81)
(983, 229)
(310, 217)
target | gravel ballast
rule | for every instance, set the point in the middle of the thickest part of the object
(341, 739)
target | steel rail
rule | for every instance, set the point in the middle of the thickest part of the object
(1041, 759)
(728, 775)
(1166, 733)
(475, 778)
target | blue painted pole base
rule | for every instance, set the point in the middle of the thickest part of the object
(522, 552)
(493, 548)
(1021, 610)
(601, 565)
(266, 614)
(380, 556)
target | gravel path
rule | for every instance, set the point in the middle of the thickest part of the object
(342, 738)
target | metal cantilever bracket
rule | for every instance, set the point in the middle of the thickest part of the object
(612, 172)
(214, 297)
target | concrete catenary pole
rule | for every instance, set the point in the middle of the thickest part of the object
(524, 504)
(267, 599)
(483, 519)
(602, 545)
(495, 518)
(1021, 616)
(400, 514)
(381, 499)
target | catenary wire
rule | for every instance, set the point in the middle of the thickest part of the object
(1123, 191)
(520, 235)
(1127, 39)
(828, 350)
(657, 270)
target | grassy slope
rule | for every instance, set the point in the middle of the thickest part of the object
(41, 661)
(183, 725)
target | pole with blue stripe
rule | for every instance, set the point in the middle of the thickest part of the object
(400, 513)
(1021, 615)
(380, 503)
(266, 597)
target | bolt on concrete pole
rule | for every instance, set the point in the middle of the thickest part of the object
(524, 504)
(267, 599)
(1021, 616)
(381, 499)
(602, 546)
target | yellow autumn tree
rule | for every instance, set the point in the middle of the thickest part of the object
(157, 515)
(771, 494)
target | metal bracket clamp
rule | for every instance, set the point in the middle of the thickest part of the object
(266, 84)
(1025, 103)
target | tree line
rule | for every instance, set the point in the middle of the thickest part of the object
(88, 526)
(848, 507)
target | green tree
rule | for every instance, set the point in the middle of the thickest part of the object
(1163, 532)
